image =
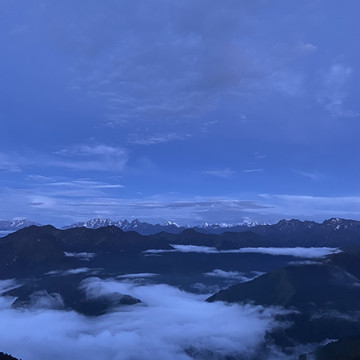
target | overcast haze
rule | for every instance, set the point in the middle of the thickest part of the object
(190, 111)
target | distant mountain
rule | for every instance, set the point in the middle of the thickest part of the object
(308, 233)
(37, 249)
(333, 232)
(171, 227)
(14, 225)
(140, 227)
(325, 297)
(224, 241)
(304, 286)
(284, 229)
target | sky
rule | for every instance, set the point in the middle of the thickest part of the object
(218, 111)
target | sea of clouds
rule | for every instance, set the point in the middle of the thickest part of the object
(168, 324)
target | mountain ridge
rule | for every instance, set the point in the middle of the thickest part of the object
(145, 228)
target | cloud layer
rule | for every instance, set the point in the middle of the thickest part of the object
(301, 252)
(169, 324)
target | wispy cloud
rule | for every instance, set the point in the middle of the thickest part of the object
(313, 175)
(335, 93)
(224, 173)
(305, 48)
(86, 150)
(98, 157)
(87, 184)
(287, 83)
(234, 275)
(8, 163)
(204, 203)
(249, 171)
(158, 139)
(312, 207)
(259, 156)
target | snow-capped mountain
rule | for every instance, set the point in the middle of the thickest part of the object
(95, 224)
(143, 228)
(169, 223)
(282, 227)
(15, 224)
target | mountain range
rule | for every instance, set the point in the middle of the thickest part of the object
(16, 224)
(321, 295)
(284, 227)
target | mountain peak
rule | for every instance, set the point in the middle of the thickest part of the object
(15, 224)
(171, 223)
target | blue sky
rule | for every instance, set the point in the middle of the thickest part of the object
(191, 111)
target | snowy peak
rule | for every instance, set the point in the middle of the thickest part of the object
(282, 227)
(97, 223)
(171, 223)
(341, 224)
(125, 225)
(92, 224)
(15, 224)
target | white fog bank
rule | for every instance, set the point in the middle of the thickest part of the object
(168, 324)
(302, 252)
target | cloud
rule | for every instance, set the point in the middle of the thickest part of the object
(43, 300)
(158, 139)
(335, 81)
(7, 285)
(351, 316)
(302, 252)
(98, 157)
(305, 48)
(225, 173)
(239, 204)
(87, 184)
(171, 66)
(72, 271)
(81, 256)
(313, 175)
(304, 262)
(253, 171)
(311, 207)
(169, 324)
(7, 163)
(287, 83)
(234, 275)
(138, 275)
(195, 249)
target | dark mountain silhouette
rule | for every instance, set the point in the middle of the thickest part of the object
(4, 356)
(35, 249)
(325, 297)
(332, 232)
(344, 349)
(223, 241)
(66, 293)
